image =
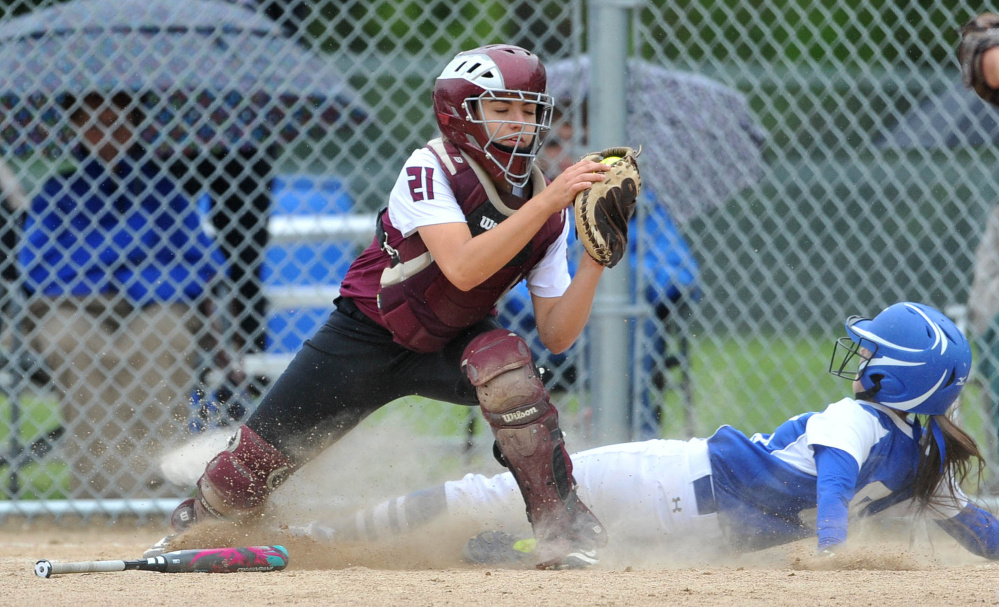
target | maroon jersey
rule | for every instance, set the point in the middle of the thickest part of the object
(400, 285)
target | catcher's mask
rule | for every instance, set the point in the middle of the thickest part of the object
(917, 360)
(497, 71)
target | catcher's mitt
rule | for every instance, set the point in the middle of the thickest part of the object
(604, 209)
(977, 36)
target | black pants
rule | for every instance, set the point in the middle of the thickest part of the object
(348, 370)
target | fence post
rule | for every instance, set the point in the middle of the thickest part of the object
(610, 331)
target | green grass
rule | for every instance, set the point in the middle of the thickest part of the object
(38, 415)
(754, 383)
(48, 479)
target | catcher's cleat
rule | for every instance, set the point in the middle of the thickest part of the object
(572, 539)
(499, 548)
(577, 559)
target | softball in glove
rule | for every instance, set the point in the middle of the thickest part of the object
(604, 209)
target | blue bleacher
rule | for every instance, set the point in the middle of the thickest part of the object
(304, 264)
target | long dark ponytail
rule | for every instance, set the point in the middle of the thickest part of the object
(961, 454)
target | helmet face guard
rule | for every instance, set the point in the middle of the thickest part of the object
(514, 153)
(850, 357)
(918, 359)
(495, 72)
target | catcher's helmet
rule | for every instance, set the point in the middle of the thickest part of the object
(494, 71)
(919, 361)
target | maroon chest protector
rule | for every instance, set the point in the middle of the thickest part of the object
(416, 302)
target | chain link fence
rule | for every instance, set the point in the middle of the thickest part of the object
(805, 162)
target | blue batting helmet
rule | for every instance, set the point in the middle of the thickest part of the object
(920, 360)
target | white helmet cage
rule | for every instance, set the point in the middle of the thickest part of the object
(523, 143)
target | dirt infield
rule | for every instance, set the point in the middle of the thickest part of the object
(425, 571)
(886, 566)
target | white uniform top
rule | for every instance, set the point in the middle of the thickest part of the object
(411, 207)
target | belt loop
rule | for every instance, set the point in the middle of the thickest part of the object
(347, 307)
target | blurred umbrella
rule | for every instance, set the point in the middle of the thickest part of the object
(700, 144)
(955, 117)
(211, 74)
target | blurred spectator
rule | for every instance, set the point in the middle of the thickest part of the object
(238, 184)
(983, 318)
(979, 59)
(115, 263)
(669, 274)
(13, 205)
(13, 202)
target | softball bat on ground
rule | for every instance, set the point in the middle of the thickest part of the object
(209, 560)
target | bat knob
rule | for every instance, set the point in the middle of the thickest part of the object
(43, 569)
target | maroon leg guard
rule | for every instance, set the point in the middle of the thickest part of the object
(525, 424)
(236, 482)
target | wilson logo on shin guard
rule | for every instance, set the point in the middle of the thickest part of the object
(519, 415)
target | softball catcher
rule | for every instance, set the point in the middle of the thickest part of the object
(469, 216)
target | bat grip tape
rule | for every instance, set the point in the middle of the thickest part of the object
(88, 567)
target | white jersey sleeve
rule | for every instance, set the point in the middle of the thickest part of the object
(845, 425)
(422, 195)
